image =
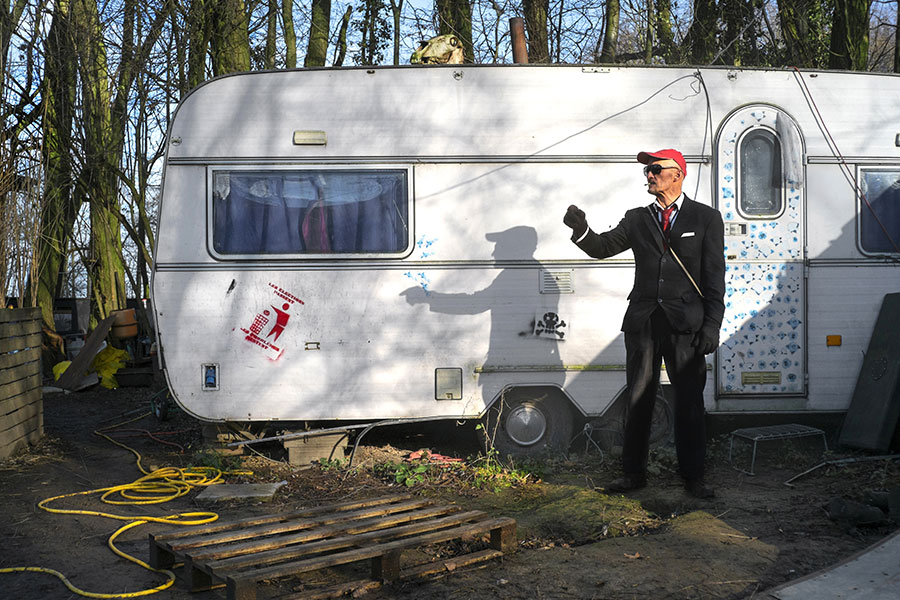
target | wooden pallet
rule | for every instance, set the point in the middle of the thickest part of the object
(243, 553)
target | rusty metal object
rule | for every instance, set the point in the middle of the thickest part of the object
(519, 46)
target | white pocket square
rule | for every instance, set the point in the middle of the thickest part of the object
(687, 234)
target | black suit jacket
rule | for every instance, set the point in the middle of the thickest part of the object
(697, 236)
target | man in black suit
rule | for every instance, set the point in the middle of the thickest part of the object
(674, 312)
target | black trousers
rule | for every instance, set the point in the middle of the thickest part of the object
(686, 368)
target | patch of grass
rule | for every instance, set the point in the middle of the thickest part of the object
(563, 514)
(478, 474)
(489, 473)
(546, 513)
(216, 460)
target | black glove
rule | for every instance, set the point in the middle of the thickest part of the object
(706, 340)
(576, 220)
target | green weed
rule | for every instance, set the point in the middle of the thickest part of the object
(333, 464)
(215, 460)
(408, 474)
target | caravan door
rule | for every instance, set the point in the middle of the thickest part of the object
(759, 190)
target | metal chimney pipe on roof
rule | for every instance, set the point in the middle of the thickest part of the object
(517, 34)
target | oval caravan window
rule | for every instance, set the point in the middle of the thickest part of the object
(760, 186)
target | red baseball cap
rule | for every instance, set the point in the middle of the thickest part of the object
(646, 157)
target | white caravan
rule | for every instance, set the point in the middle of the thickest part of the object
(372, 244)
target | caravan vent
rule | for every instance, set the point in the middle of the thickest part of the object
(735, 229)
(760, 377)
(558, 282)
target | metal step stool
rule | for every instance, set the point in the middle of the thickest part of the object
(771, 432)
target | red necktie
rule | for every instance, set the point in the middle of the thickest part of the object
(666, 216)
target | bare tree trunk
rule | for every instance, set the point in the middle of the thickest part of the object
(396, 12)
(664, 35)
(556, 44)
(105, 116)
(142, 175)
(319, 25)
(271, 33)
(536, 27)
(230, 40)
(199, 32)
(610, 33)
(9, 21)
(340, 52)
(850, 35)
(59, 205)
(455, 17)
(701, 37)
(375, 32)
(290, 36)
(800, 22)
(176, 75)
(97, 181)
(897, 41)
(732, 51)
(15, 183)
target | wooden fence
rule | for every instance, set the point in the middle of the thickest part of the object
(21, 403)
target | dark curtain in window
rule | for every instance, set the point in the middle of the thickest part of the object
(310, 212)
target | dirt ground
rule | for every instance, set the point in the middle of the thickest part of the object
(574, 542)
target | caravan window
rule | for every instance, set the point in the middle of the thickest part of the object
(879, 211)
(300, 211)
(759, 183)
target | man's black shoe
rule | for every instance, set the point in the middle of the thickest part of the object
(627, 483)
(698, 489)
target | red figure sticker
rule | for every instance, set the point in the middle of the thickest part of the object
(273, 320)
(281, 319)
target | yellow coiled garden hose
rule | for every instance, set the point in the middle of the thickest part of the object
(155, 487)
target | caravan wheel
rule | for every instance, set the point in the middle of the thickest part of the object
(529, 421)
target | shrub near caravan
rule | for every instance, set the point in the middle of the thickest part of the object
(387, 243)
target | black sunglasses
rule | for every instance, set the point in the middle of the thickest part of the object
(656, 169)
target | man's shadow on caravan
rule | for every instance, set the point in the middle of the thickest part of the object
(524, 338)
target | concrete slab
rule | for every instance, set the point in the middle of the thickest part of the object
(873, 574)
(239, 491)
